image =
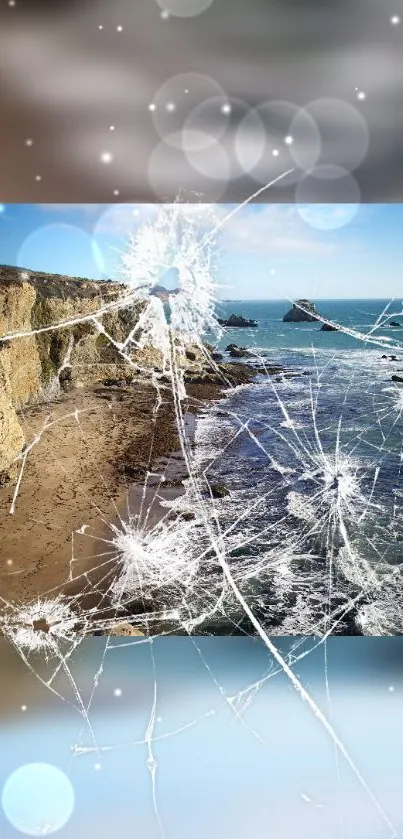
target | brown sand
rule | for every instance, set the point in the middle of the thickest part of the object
(94, 448)
(99, 441)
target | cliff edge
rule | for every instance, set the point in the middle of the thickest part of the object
(43, 361)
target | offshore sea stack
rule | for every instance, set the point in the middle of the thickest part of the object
(237, 321)
(303, 311)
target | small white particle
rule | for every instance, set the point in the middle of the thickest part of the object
(24, 707)
(186, 91)
(97, 766)
(165, 14)
(275, 152)
(289, 140)
(116, 192)
(9, 562)
(29, 142)
(106, 157)
(117, 692)
(391, 689)
(361, 95)
(100, 26)
(11, 2)
(119, 29)
(151, 107)
(226, 109)
(170, 106)
(395, 20)
(111, 128)
(38, 177)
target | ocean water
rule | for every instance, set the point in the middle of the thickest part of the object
(273, 334)
(313, 464)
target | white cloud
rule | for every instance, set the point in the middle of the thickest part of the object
(275, 228)
(266, 229)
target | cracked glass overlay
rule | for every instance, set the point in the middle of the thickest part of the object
(326, 559)
(311, 547)
(205, 734)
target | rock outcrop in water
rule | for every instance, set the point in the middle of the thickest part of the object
(328, 327)
(302, 311)
(237, 352)
(237, 321)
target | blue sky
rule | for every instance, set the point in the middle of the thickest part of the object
(265, 251)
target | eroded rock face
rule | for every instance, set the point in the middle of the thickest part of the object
(11, 434)
(37, 366)
(30, 364)
(303, 311)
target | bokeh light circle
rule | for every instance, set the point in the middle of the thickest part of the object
(212, 162)
(38, 799)
(328, 204)
(171, 174)
(184, 8)
(69, 250)
(270, 141)
(344, 135)
(206, 124)
(176, 101)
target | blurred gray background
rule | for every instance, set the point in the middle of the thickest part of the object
(78, 78)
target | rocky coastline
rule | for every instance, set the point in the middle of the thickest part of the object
(77, 425)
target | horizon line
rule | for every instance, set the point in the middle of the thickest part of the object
(282, 299)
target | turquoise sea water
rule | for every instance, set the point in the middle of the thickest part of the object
(319, 457)
(272, 333)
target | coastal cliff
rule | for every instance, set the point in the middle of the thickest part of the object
(43, 362)
(50, 345)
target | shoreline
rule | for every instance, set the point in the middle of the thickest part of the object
(94, 447)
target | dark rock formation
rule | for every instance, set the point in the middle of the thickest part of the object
(184, 515)
(237, 352)
(162, 292)
(219, 490)
(327, 327)
(237, 321)
(303, 311)
(397, 378)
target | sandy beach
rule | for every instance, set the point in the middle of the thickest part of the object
(86, 469)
